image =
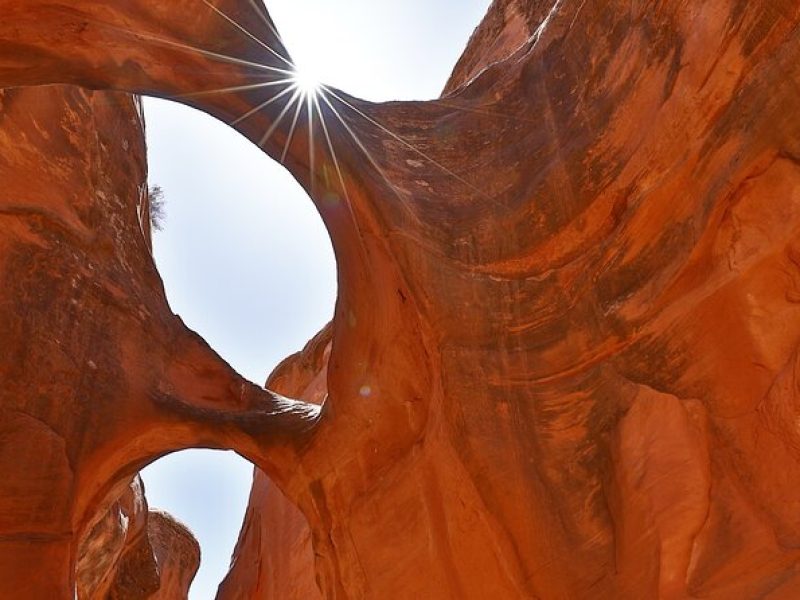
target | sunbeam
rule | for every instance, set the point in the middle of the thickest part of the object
(247, 33)
(307, 81)
(288, 143)
(312, 155)
(289, 88)
(304, 85)
(330, 148)
(348, 202)
(200, 51)
(260, 9)
(406, 143)
(297, 94)
(238, 88)
(358, 142)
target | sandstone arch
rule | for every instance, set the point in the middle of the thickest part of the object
(93, 357)
(580, 259)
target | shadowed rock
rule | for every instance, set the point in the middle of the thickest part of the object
(564, 352)
(99, 377)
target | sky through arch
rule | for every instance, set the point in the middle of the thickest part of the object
(245, 260)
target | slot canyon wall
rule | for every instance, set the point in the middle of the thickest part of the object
(563, 362)
(98, 376)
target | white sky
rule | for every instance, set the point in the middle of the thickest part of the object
(244, 257)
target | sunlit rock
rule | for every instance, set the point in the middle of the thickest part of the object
(98, 376)
(569, 288)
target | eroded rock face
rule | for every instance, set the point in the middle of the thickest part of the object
(274, 557)
(134, 553)
(106, 544)
(177, 555)
(99, 377)
(563, 360)
(601, 425)
(507, 26)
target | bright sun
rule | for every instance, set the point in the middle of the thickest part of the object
(306, 81)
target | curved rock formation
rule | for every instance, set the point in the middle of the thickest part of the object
(274, 557)
(99, 377)
(132, 553)
(107, 545)
(177, 554)
(563, 358)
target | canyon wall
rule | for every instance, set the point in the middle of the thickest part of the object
(274, 557)
(563, 362)
(131, 552)
(610, 402)
(99, 377)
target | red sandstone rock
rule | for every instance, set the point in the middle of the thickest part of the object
(109, 540)
(274, 557)
(564, 354)
(177, 555)
(507, 26)
(131, 553)
(99, 377)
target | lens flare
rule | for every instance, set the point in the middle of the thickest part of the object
(306, 81)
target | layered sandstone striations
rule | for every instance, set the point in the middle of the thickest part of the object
(98, 376)
(564, 355)
(274, 553)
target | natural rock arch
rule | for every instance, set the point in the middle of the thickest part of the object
(94, 361)
(569, 287)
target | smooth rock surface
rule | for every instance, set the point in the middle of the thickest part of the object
(274, 557)
(564, 355)
(99, 377)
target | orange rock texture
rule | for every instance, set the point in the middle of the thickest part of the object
(117, 536)
(98, 376)
(274, 557)
(132, 553)
(563, 362)
(177, 555)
